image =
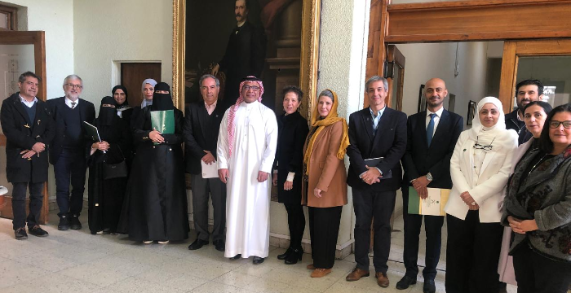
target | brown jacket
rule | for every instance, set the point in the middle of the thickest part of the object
(326, 172)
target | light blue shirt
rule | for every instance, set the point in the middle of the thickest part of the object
(377, 118)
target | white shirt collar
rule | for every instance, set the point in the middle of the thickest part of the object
(68, 102)
(28, 104)
(438, 113)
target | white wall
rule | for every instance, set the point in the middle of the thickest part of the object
(107, 32)
(55, 17)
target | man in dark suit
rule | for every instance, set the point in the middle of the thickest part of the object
(201, 127)
(527, 91)
(432, 136)
(28, 126)
(375, 132)
(245, 53)
(69, 150)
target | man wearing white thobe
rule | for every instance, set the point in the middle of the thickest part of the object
(246, 149)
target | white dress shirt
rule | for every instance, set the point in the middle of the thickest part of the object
(436, 118)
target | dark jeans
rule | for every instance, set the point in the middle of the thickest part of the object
(433, 228)
(70, 168)
(296, 223)
(538, 274)
(201, 188)
(323, 230)
(368, 205)
(472, 254)
(19, 204)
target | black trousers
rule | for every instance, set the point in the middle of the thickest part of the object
(296, 223)
(70, 168)
(472, 254)
(323, 230)
(433, 228)
(201, 188)
(368, 205)
(538, 274)
(19, 204)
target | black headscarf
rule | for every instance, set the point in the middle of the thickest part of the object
(106, 114)
(120, 87)
(162, 102)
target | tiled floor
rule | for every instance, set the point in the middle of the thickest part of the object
(76, 261)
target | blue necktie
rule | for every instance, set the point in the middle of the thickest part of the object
(430, 129)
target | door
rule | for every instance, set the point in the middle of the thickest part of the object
(394, 73)
(19, 52)
(132, 76)
(545, 60)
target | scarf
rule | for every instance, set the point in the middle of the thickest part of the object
(162, 102)
(497, 135)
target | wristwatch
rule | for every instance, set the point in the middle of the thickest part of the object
(429, 176)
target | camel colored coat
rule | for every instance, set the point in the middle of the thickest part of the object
(326, 171)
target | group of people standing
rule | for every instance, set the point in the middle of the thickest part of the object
(491, 180)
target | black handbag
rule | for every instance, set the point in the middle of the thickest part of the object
(117, 170)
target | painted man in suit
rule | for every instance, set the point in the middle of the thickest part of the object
(69, 150)
(245, 53)
(527, 91)
(375, 132)
(28, 127)
(432, 135)
(201, 126)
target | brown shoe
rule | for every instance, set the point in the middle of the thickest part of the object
(310, 267)
(318, 273)
(382, 279)
(356, 275)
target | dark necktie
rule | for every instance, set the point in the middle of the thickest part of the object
(73, 105)
(430, 129)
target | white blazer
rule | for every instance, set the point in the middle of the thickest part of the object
(487, 191)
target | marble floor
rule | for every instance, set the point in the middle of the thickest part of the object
(76, 261)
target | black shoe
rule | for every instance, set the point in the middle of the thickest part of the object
(38, 231)
(257, 260)
(219, 245)
(74, 222)
(63, 223)
(285, 254)
(237, 256)
(429, 286)
(294, 256)
(405, 282)
(197, 244)
(20, 234)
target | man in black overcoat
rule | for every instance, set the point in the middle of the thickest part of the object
(201, 127)
(70, 150)
(432, 136)
(375, 132)
(245, 53)
(28, 126)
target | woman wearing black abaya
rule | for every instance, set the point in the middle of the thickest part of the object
(157, 206)
(106, 195)
(121, 97)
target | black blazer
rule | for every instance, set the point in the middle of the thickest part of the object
(419, 159)
(21, 135)
(389, 142)
(292, 131)
(86, 113)
(200, 133)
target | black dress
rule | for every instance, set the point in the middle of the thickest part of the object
(156, 204)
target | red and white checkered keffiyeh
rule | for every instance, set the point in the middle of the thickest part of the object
(234, 109)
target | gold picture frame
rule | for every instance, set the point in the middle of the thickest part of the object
(311, 16)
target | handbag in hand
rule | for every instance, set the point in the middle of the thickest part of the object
(118, 170)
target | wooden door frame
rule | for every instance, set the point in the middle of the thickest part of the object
(36, 38)
(398, 60)
(479, 20)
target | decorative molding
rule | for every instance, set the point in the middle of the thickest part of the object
(178, 52)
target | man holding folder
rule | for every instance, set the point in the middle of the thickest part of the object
(431, 137)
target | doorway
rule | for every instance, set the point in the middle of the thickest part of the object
(133, 75)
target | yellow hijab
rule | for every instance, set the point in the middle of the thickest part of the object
(321, 123)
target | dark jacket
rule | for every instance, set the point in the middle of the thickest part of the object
(200, 134)
(86, 113)
(512, 122)
(419, 159)
(21, 135)
(389, 142)
(292, 131)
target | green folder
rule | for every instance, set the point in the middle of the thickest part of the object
(433, 205)
(163, 121)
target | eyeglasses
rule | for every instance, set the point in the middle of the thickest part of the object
(485, 148)
(555, 124)
(75, 86)
(253, 87)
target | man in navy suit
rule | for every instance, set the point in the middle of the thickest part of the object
(374, 132)
(69, 150)
(432, 135)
